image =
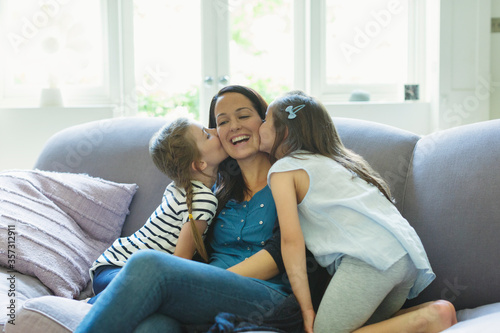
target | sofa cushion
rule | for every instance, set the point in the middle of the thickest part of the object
(387, 149)
(468, 314)
(452, 202)
(58, 224)
(114, 149)
(25, 287)
(484, 324)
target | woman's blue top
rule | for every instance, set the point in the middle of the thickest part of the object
(242, 229)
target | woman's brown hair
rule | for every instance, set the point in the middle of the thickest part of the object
(313, 131)
(173, 150)
(230, 182)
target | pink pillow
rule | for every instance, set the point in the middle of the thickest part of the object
(56, 224)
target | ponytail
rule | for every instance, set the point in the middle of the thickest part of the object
(173, 150)
(198, 240)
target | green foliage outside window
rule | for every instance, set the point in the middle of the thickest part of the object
(187, 103)
(268, 89)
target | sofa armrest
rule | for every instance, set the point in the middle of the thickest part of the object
(49, 314)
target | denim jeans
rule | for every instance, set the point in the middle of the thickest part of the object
(103, 276)
(158, 292)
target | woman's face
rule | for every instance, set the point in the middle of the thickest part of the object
(237, 125)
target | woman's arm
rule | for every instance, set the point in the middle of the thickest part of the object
(292, 241)
(259, 266)
(186, 247)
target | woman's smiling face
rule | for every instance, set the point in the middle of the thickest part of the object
(237, 125)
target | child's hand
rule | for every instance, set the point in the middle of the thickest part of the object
(308, 317)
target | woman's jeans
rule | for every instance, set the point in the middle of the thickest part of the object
(157, 292)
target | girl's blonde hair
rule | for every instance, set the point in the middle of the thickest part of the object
(173, 150)
(312, 130)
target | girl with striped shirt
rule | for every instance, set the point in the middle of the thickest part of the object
(189, 154)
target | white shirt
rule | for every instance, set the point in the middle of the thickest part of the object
(343, 214)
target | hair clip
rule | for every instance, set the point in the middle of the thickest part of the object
(293, 110)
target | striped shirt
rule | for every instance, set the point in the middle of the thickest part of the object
(162, 229)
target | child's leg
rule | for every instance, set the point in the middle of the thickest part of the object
(102, 277)
(431, 317)
(398, 295)
(357, 290)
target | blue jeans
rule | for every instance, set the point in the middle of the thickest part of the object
(158, 292)
(103, 276)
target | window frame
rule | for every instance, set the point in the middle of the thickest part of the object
(331, 93)
(119, 89)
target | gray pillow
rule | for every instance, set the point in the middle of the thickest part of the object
(58, 223)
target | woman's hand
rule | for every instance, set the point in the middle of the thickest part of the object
(308, 317)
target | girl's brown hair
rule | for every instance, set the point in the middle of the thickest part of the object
(173, 150)
(313, 130)
(230, 182)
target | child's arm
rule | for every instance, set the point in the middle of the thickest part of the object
(186, 247)
(292, 241)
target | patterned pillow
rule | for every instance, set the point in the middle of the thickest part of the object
(54, 225)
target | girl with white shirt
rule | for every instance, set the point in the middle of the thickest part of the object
(331, 201)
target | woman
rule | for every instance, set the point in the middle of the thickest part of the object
(160, 292)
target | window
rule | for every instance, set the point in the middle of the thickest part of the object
(366, 46)
(328, 48)
(172, 56)
(51, 44)
(167, 57)
(198, 47)
(262, 45)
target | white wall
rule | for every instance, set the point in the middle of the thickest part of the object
(23, 132)
(464, 65)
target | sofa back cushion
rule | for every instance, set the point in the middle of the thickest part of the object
(452, 201)
(115, 150)
(387, 149)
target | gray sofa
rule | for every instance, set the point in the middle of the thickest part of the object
(446, 184)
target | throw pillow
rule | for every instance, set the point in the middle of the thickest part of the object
(54, 225)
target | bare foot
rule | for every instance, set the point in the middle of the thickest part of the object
(435, 317)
